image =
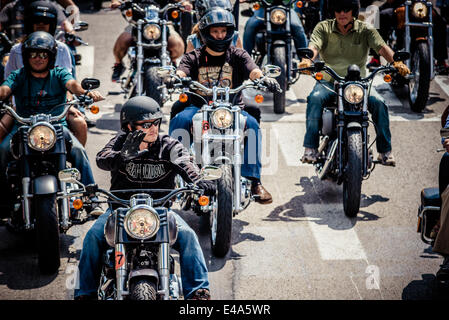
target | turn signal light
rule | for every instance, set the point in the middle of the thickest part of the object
(299, 4)
(129, 13)
(77, 204)
(94, 109)
(258, 98)
(388, 78)
(203, 201)
(183, 98)
(175, 14)
(256, 6)
(319, 76)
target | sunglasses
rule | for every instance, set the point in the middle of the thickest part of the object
(345, 10)
(148, 125)
(35, 54)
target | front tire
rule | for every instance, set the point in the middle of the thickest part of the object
(221, 218)
(419, 86)
(279, 59)
(352, 184)
(47, 233)
(152, 81)
(143, 290)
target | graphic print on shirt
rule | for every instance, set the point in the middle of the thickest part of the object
(145, 172)
(208, 76)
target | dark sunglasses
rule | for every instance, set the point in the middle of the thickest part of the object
(345, 10)
(35, 54)
(148, 125)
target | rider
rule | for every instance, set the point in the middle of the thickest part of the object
(256, 22)
(341, 42)
(217, 61)
(130, 156)
(175, 44)
(38, 87)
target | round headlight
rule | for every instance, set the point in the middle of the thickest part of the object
(151, 32)
(419, 10)
(142, 223)
(41, 137)
(278, 16)
(354, 94)
(222, 118)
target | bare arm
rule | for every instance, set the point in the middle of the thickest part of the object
(75, 87)
(387, 53)
(5, 92)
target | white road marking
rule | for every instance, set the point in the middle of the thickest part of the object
(443, 85)
(333, 232)
(86, 69)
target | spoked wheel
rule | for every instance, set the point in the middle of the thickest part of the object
(279, 59)
(419, 85)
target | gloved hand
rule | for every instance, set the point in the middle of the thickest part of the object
(130, 149)
(209, 187)
(401, 68)
(170, 82)
(305, 63)
(272, 85)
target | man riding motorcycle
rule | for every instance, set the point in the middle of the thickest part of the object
(175, 44)
(39, 87)
(341, 42)
(130, 156)
(219, 62)
(42, 16)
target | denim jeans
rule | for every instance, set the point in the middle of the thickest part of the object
(256, 22)
(194, 274)
(320, 96)
(78, 156)
(181, 124)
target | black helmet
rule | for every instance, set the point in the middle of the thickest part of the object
(139, 108)
(217, 17)
(41, 11)
(340, 5)
(202, 6)
(42, 41)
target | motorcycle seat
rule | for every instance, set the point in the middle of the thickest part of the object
(430, 197)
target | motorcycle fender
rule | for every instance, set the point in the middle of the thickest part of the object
(45, 185)
(144, 273)
(197, 127)
(421, 39)
(352, 125)
(279, 43)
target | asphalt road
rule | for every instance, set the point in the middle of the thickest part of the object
(299, 247)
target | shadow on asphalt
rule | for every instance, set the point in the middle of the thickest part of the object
(425, 289)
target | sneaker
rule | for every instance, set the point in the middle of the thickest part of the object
(373, 64)
(117, 71)
(387, 159)
(310, 155)
(201, 294)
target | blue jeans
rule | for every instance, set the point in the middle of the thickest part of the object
(181, 124)
(78, 156)
(194, 274)
(256, 22)
(318, 99)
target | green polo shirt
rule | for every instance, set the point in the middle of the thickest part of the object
(339, 51)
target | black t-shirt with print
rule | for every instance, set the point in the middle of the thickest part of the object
(230, 69)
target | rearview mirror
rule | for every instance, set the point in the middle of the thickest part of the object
(401, 56)
(71, 175)
(305, 53)
(90, 83)
(271, 71)
(210, 173)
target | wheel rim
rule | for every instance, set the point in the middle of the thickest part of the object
(213, 226)
(414, 82)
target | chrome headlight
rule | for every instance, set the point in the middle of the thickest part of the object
(278, 16)
(142, 222)
(354, 94)
(419, 10)
(41, 137)
(222, 118)
(151, 32)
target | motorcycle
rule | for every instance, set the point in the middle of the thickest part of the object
(344, 152)
(73, 40)
(310, 15)
(218, 139)
(150, 28)
(274, 43)
(414, 34)
(140, 233)
(36, 208)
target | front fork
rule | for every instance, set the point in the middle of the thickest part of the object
(164, 270)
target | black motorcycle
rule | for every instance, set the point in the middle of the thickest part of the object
(310, 15)
(274, 44)
(344, 153)
(150, 30)
(140, 232)
(40, 151)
